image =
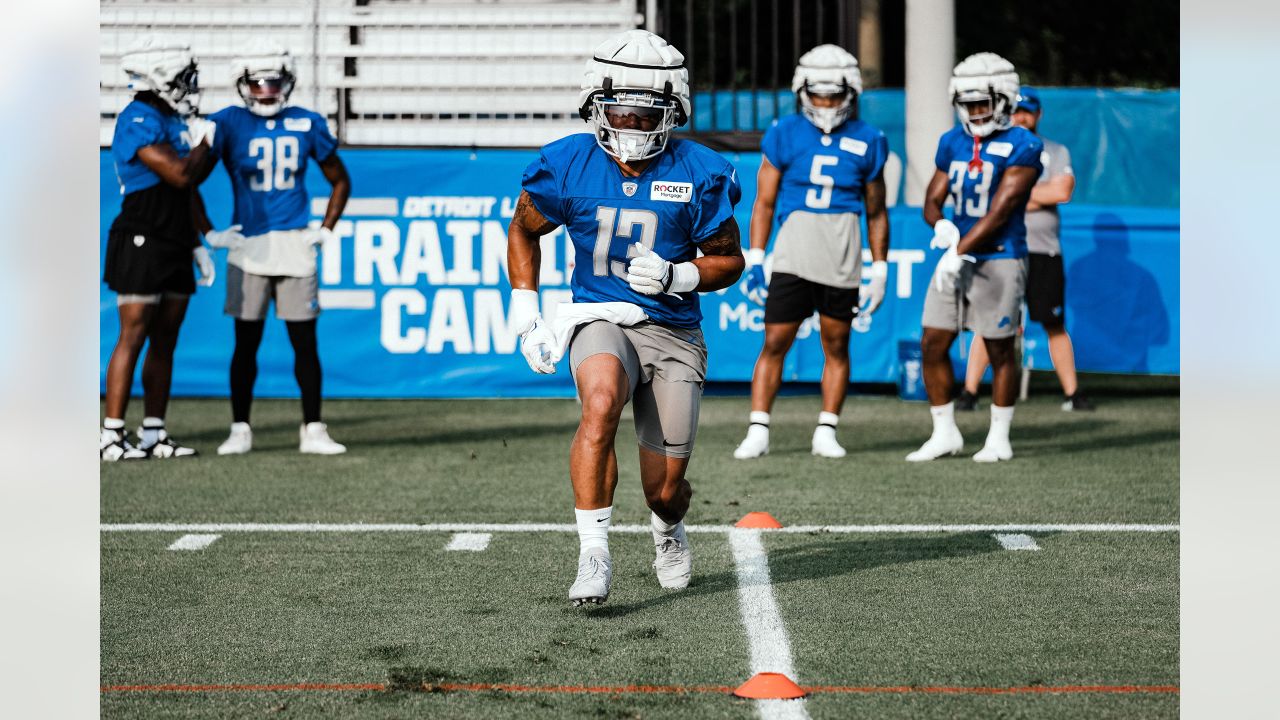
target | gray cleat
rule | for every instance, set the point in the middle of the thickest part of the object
(595, 572)
(674, 559)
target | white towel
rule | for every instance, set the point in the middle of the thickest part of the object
(570, 315)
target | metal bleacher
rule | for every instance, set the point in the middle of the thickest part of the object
(389, 72)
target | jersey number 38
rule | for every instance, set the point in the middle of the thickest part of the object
(277, 163)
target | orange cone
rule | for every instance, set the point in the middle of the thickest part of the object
(758, 520)
(769, 686)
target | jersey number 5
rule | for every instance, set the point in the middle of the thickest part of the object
(277, 163)
(976, 207)
(627, 220)
(821, 197)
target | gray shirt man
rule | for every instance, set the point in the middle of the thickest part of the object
(1043, 225)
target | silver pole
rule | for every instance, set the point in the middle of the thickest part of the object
(651, 15)
(315, 55)
(931, 49)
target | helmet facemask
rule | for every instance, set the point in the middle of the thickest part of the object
(265, 93)
(633, 125)
(183, 91)
(978, 122)
(827, 118)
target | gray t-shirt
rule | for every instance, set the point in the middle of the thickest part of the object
(1043, 225)
(824, 248)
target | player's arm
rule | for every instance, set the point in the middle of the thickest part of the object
(877, 220)
(767, 182)
(336, 173)
(198, 213)
(1015, 188)
(524, 254)
(935, 196)
(1052, 192)
(180, 172)
(721, 263)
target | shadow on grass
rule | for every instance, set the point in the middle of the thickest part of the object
(828, 555)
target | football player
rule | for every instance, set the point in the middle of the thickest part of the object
(651, 219)
(986, 166)
(822, 169)
(161, 152)
(1046, 278)
(266, 146)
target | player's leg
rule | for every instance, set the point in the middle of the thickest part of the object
(157, 376)
(997, 296)
(788, 304)
(605, 367)
(973, 372)
(248, 296)
(298, 304)
(941, 320)
(135, 312)
(834, 332)
(666, 417)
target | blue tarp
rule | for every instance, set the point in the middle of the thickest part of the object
(421, 267)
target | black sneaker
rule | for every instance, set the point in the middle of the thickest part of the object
(165, 448)
(966, 401)
(114, 445)
(1076, 403)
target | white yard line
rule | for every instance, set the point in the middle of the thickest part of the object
(766, 633)
(641, 529)
(473, 542)
(1017, 541)
(193, 542)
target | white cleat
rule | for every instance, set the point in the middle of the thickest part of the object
(939, 444)
(674, 558)
(239, 442)
(755, 444)
(994, 451)
(315, 440)
(165, 447)
(825, 444)
(595, 573)
(114, 446)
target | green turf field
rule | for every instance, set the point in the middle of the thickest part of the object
(886, 624)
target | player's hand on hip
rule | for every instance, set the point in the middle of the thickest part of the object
(201, 130)
(945, 235)
(320, 235)
(874, 290)
(204, 264)
(757, 286)
(949, 267)
(229, 238)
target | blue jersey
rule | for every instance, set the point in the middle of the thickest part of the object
(266, 158)
(679, 201)
(139, 125)
(972, 191)
(823, 173)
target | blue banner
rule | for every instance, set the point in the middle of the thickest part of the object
(415, 291)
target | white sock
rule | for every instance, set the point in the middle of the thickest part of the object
(1001, 419)
(944, 417)
(660, 526)
(758, 417)
(828, 418)
(151, 429)
(593, 528)
(112, 424)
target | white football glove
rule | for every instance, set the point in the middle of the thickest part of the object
(874, 291)
(649, 274)
(201, 130)
(945, 235)
(204, 264)
(320, 235)
(949, 267)
(229, 238)
(536, 338)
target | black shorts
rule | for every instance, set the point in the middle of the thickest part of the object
(1046, 289)
(140, 265)
(792, 299)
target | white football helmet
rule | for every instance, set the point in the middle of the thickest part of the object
(635, 91)
(167, 69)
(827, 70)
(984, 77)
(264, 77)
